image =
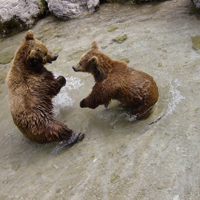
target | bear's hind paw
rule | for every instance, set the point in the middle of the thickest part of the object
(73, 139)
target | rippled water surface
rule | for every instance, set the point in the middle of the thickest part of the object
(120, 158)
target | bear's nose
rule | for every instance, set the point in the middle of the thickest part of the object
(73, 68)
(55, 56)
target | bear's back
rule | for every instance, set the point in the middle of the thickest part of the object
(130, 86)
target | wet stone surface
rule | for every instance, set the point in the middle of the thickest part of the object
(119, 158)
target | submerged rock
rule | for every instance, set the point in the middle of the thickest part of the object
(120, 39)
(196, 42)
(17, 15)
(72, 8)
(113, 28)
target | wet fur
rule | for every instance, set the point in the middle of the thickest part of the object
(31, 89)
(116, 80)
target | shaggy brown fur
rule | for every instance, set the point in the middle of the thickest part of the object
(115, 80)
(31, 89)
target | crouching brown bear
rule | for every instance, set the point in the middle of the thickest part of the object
(31, 89)
(115, 80)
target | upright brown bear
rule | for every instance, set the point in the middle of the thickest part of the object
(115, 80)
(31, 89)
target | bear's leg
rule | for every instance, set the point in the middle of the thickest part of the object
(141, 112)
(57, 84)
(54, 131)
(61, 132)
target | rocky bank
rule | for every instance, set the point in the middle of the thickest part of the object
(18, 15)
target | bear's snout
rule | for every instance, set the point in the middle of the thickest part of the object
(55, 57)
(74, 68)
(51, 57)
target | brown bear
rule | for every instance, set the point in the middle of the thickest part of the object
(116, 80)
(31, 89)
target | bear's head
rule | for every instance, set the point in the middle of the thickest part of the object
(92, 62)
(37, 53)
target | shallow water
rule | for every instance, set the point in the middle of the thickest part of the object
(120, 158)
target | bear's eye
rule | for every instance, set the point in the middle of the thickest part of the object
(80, 64)
(45, 54)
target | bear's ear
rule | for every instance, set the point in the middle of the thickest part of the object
(29, 35)
(96, 70)
(94, 45)
(94, 61)
(35, 56)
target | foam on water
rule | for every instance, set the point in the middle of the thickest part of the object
(176, 96)
(63, 99)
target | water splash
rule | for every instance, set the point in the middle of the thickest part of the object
(124, 116)
(73, 83)
(176, 96)
(63, 99)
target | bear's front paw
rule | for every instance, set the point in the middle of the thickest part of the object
(82, 104)
(106, 105)
(85, 103)
(61, 80)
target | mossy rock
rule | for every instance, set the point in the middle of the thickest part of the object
(125, 60)
(159, 64)
(120, 39)
(16, 24)
(115, 178)
(6, 57)
(196, 42)
(11, 27)
(113, 28)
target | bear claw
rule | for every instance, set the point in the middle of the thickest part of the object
(73, 139)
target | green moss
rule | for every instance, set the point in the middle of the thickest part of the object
(11, 27)
(44, 6)
(6, 57)
(196, 42)
(159, 64)
(113, 28)
(115, 178)
(120, 39)
(125, 60)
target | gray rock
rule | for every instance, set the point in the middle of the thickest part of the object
(16, 15)
(119, 1)
(129, 1)
(196, 3)
(67, 9)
